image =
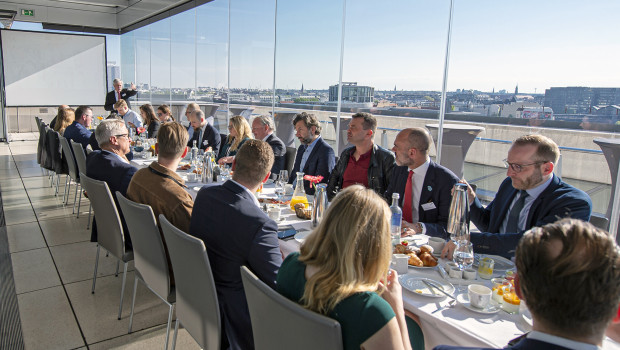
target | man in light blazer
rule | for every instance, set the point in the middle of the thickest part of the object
(314, 156)
(237, 232)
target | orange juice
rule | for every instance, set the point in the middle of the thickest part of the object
(298, 199)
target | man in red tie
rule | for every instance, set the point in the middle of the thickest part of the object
(423, 185)
(119, 94)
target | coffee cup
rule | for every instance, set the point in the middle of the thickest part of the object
(288, 189)
(274, 213)
(469, 274)
(191, 177)
(437, 244)
(399, 263)
(479, 295)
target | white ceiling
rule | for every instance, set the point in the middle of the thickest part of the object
(104, 14)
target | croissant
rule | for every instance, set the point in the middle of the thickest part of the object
(426, 248)
(428, 259)
(415, 261)
(400, 249)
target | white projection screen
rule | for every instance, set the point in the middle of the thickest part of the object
(50, 69)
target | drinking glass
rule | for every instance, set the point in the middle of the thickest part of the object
(283, 177)
(463, 256)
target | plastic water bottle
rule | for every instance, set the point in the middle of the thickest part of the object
(194, 156)
(397, 219)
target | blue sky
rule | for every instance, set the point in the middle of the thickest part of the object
(402, 43)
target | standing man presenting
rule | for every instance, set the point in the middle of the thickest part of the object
(262, 128)
(314, 156)
(119, 94)
(530, 196)
(424, 186)
(365, 163)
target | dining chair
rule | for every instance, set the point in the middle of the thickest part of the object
(110, 234)
(80, 160)
(151, 263)
(289, 159)
(73, 172)
(279, 323)
(197, 305)
(56, 159)
(600, 221)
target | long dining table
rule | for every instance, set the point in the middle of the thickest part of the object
(442, 322)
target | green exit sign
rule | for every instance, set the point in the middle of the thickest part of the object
(28, 13)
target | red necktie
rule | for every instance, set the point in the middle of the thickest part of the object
(408, 199)
(119, 95)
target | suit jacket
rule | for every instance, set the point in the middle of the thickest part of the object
(94, 145)
(236, 232)
(106, 166)
(558, 200)
(279, 153)
(211, 139)
(524, 344)
(320, 162)
(436, 189)
(225, 147)
(153, 128)
(78, 133)
(110, 98)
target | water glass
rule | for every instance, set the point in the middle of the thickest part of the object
(464, 254)
(283, 176)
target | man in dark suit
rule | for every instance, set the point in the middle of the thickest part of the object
(531, 196)
(567, 273)
(423, 185)
(237, 232)
(204, 134)
(119, 94)
(79, 130)
(110, 164)
(262, 128)
(314, 157)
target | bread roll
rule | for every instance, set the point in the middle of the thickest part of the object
(415, 261)
(428, 259)
(426, 248)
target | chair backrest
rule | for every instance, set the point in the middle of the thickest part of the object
(45, 160)
(109, 229)
(289, 160)
(80, 156)
(197, 305)
(41, 143)
(599, 221)
(66, 149)
(59, 163)
(278, 323)
(149, 252)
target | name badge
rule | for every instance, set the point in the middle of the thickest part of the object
(428, 206)
(205, 142)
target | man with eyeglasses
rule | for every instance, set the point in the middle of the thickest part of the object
(204, 133)
(531, 196)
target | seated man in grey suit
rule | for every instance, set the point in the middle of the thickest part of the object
(237, 232)
(568, 274)
(262, 128)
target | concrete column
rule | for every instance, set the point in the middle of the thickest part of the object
(611, 150)
(242, 111)
(344, 126)
(457, 138)
(285, 130)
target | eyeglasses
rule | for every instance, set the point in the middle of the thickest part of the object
(230, 127)
(123, 135)
(160, 114)
(517, 168)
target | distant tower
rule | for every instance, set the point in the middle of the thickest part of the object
(302, 88)
(517, 89)
(493, 90)
(394, 87)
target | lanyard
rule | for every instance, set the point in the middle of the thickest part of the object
(166, 176)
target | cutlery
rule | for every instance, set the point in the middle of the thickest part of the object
(433, 285)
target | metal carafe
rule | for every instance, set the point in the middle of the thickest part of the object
(458, 219)
(320, 204)
(207, 168)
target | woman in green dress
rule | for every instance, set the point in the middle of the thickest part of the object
(239, 131)
(342, 271)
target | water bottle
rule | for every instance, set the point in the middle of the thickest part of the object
(320, 204)
(397, 219)
(458, 217)
(194, 156)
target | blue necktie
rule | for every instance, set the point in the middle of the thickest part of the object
(513, 217)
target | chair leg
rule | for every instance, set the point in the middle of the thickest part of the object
(67, 188)
(120, 307)
(79, 202)
(75, 196)
(133, 302)
(90, 208)
(57, 183)
(118, 263)
(176, 330)
(169, 324)
(95, 274)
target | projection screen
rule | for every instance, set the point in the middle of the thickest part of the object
(50, 69)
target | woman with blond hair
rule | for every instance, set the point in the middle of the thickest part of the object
(150, 120)
(65, 117)
(342, 271)
(239, 131)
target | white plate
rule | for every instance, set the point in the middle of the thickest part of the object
(491, 308)
(422, 267)
(527, 316)
(301, 236)
(417, 286)
(501, 264)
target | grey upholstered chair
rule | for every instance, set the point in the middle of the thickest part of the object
(73, 172)
(80, 160)
(110, 234)
(197, 305)
(600, 221)
(297, 328)
(149, 255)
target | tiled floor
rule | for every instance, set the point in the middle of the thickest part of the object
(53, 261)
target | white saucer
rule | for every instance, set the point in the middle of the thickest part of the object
(301, 236)
(491, 308)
